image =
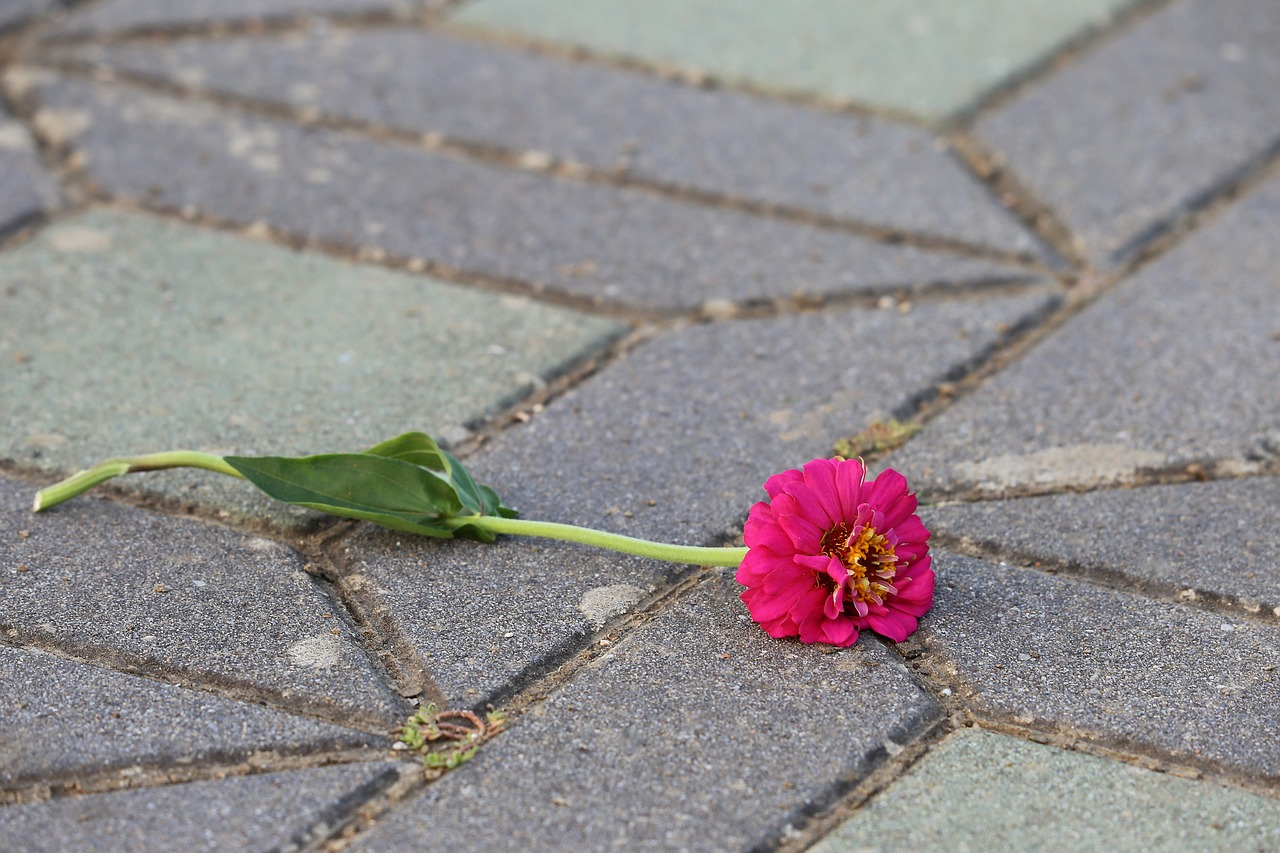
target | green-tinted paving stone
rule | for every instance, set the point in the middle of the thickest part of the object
(124, 334)
(930, 57)
(983, 791)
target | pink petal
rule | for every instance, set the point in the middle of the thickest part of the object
(778, 483)
(759, 564)
(804, 533)
(820, 477)
(911, 529)
(840, 632)
(893, 624)
(762, 530)
(849, 477)
(888, 493)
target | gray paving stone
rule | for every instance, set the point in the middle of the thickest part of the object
(932, 58)
(1136, 132)
(982, 791)
(1217, 538)
(859, 168)
(66, 721)
(247, 348)
(277, 811)
(596, 241)
(16, 12)
(188, 599)
(1109, 666)
(26, 190)
(698, 732)
(126, 15)
(671, 443)
(1179, 365)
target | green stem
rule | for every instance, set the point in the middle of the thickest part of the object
(83, 481)
(689, 554)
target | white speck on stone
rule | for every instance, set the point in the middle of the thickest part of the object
(320, 652)
(61, 126)
(14, 137)
(79, 239)
(892, 748)
(602, 603)
(261, 545)
(1225, 627)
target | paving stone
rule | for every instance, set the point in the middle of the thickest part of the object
(1179, 365)
(248, 348)
(26, 190)
(188, 599)
(601, 242)
(125, 15)
(1109, 666)
(1215, 538)
(698, 732)
(16, 12)
(671, 443)
(981, 791)
(853, 167)
(277, 811)
(1136, 132)
(68, 721)
(932, 59)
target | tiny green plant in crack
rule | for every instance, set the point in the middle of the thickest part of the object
(447, 739)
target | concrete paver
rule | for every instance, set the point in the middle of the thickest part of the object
(248, 348)
(980, 790)
(1178, 365)
(14, 13)
(26, 190)
(932, 59)
(599, 242)
(854, 167)
(695, 733)
(117, 16)
(634, 452)
(1189, 539)
(71, 723)
(1142, 129)
(1110, 666)
(284, 810)
(198, 602)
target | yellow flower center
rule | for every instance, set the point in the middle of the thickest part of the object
(869, 558)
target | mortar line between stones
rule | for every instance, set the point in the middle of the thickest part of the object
(1265, 613)
(104, 779)
(188, 678)
(1074, 50)
(539, 162)
(1199, 471)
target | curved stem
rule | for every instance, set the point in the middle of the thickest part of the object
(689, 554)
(83, 481)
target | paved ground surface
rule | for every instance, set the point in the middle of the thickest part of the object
(630, 259)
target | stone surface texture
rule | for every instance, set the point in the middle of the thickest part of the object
(1151, 123)
(624, 756)
(631, 452)
(1109, 666)
(117, 16)
(981, 790)
(283, 811)
(1125, 387)
(629, 260)
(859, 168)
(69, 722)
(186, 598)
(598, 242)
(932, 59)
(1189, 539)
(26, 190)
(248, 348)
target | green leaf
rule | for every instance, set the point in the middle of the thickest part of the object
(379, 488)
(416, 447)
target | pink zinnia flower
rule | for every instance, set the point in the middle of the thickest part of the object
(831, 553)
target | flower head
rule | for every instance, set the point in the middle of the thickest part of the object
(831, 553)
